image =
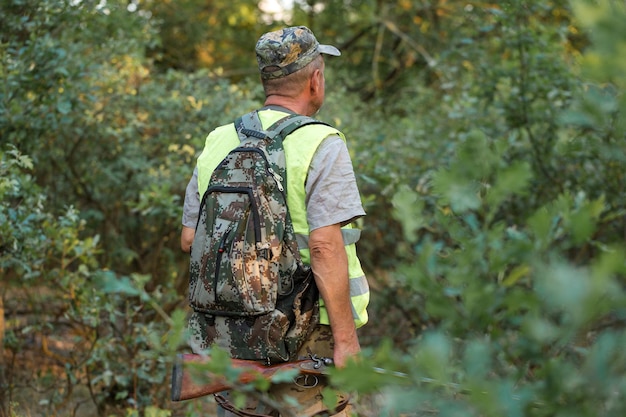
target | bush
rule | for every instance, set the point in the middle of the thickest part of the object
(512, 277)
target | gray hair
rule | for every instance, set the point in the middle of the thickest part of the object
(292, 84)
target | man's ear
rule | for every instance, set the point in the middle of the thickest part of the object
(316, 81)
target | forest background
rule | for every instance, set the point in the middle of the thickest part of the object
(488, 142)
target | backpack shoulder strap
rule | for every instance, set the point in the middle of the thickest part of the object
(289, 124)
(250, 125)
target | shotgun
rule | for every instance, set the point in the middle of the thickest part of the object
(188, 368)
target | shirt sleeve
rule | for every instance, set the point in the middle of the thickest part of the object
(191, 205)
(332, 195)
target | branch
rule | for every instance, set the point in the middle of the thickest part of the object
(419, 48)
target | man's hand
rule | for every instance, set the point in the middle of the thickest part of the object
(342, 354)
(186, 238)
(330, 269)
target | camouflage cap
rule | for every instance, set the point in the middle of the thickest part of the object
(288, 50)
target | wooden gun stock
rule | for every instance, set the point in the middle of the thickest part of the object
(185, 384)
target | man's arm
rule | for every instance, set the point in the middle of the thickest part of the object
(186, 238)
(330, 269)
(191, 207)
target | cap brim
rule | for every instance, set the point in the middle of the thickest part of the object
(329, 50)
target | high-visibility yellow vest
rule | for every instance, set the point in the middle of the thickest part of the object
(300, 147)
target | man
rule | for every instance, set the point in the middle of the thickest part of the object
(323, 201)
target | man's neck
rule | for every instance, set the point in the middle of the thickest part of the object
(288, 103)
(276, 107)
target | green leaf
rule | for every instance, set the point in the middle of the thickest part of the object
(460, 193)
(408, 210)
(108, 282)
(516, 274)
(583, 221)
(510, 181)
(64, 106)
(477, 359)
(286, 375)
(541, 223)
(567, 289)
(433, 355)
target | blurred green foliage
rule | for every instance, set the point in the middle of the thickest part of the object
(488, 141)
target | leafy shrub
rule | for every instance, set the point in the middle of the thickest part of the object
(513, 276)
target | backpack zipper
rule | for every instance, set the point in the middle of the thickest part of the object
(218, 259)
(277, 178)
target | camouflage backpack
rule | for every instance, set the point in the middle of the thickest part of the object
(247, 278)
